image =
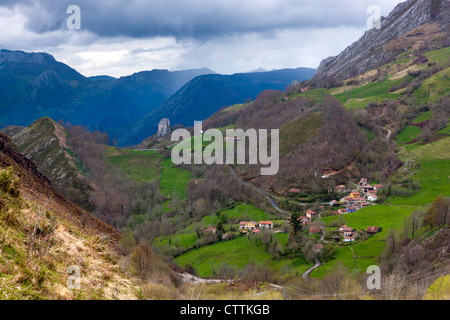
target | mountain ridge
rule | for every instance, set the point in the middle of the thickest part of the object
(202, 96)
(368, 52)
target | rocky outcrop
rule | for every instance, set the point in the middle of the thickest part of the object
(164, 127)
(370, 51)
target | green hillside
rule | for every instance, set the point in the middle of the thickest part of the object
(45, 142)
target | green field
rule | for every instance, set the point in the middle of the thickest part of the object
(367, 252)
(375, 91)
(139, 165)
(434, 88)
(174, 180)
(439, 149)
(387, 217)
(434, 178)
(408, 134)
(179, 240)
(236, 107)
(441, 56)
(237, 253)
(423, 117)
(239, 213)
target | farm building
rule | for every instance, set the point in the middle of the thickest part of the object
(373, 230)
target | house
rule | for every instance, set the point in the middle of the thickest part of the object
(340, 189)
(351, 209)
(367, 187)
(266, 225)
(256, 231)
(347, 231)
(318, 246)
(341, 229)
(304, 219)
(294, 190)
(197, 181)
(355, 194)
(314, 230)
(372, 197)
(333, 203)
(359, 200)
(212, 230)
(373, 230)
(311, 214)
(225, 236)
(363, 182)
(349, 239)
(336, 238)
(346, 200)
(342, 211)
(247, 225)
(378, 187)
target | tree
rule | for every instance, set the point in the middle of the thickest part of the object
(437, 214)
(440, 289)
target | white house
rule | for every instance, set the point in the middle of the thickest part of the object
(265, 225)
(372, 197)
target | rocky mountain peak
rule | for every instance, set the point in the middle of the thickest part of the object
(164, 127)
(370, 50)
(8, 56)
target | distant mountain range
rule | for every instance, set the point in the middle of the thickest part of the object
(205, 95)
(34, 85)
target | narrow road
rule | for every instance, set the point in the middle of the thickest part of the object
(272, 202)
(389, 133)
(270, 196)
(307, 272)
(322, 238)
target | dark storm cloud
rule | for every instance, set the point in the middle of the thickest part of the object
(198, 19)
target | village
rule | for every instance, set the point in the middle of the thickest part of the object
(364, 195)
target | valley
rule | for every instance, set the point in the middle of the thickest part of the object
(88, 178)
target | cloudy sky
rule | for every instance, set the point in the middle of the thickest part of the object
(120, 37)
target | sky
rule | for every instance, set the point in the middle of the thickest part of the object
(121, 37)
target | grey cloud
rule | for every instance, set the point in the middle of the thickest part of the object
(198, 19)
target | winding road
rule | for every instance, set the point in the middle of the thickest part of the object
(307, 272)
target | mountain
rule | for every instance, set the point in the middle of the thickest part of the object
(46, 234)
(425, 25)
(45, 143)
(33, 85)
(130, 98)
(204, 95)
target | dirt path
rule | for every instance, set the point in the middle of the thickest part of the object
(307, 272)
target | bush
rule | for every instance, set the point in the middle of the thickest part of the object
(156, 291)
(9, 183)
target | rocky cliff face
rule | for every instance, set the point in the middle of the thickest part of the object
(164, 127)
(372, 49)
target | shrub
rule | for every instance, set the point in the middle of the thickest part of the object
(439, 290)
(156, 291)
(9, 183)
